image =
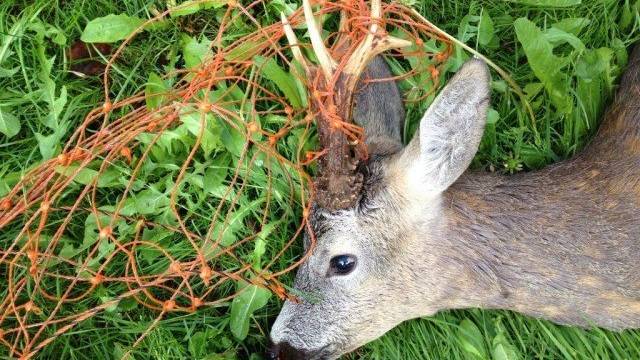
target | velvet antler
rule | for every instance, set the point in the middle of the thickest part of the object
(333, 85)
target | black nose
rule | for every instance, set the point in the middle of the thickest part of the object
(284, 351)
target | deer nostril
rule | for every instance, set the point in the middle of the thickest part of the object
(284, 351)
(273, 351)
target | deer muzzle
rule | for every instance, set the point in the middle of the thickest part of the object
(284, 351)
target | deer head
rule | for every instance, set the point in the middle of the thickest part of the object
(377, 253)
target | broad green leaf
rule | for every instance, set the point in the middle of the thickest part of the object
(236, 93)
(545, 65)
(236, 219)
(628, 14)
(300, 139)
(620, 50)
(198, 344)
(481, 27)
(48, 90)
(250, 299)
(244, 51)
(111, 308)
(91, 232)
(471, 340)
(572, 25)
(502, 349)
(253, 170)
(533, 157)
(208, 136)
(230, 226)
(499, 86)
(232, 139)
(193, 6)
(49, 145)
(213, 4)
(156, 235)
(594, 71)
(595, 64)
(557, 37)
(532, 90)
(158, 25)
(485, 28)
(221, 237)
(5, 73)
(163, 144)
(284, 81)
(260, 246)
(548, 3)
(127, 304)
(49, 31)
(105, 247)
(9, 36)
(195, 52)
(492, 116)
(60, 102)
(9, 124)
(84, 176)
(151, 201)
(67, 252)
(120, 351)
(297, 72)
(56, 105)
(155, 91)
(110, 28)
(215, 174)
(466, 31)
(4, 187)
(259, 249)
(283, 6)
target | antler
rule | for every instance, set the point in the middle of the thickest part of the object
(338, 183)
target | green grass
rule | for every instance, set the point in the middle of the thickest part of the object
(510, 144)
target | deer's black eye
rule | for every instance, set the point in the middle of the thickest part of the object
(342, 264)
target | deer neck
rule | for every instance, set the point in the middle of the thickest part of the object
(549, 244)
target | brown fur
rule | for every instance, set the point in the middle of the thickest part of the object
(568, 235)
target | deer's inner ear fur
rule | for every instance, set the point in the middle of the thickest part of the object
(379, 109)
(450, 131)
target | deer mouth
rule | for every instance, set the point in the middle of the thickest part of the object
(284, 351)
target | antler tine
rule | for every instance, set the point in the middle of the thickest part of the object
(327, 63)
(373, 44)
(293, 42)
(344, 21)
(376, 13)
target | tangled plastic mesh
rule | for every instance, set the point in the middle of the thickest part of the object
(165, 249)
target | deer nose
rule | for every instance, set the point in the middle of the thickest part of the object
(284, 351)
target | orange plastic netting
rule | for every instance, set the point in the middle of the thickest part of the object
(88, 217)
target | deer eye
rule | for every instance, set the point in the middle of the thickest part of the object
(342, 264)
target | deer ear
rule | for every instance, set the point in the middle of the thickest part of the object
(379, 109)
(450, 130)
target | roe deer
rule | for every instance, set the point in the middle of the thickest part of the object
(562, 243)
